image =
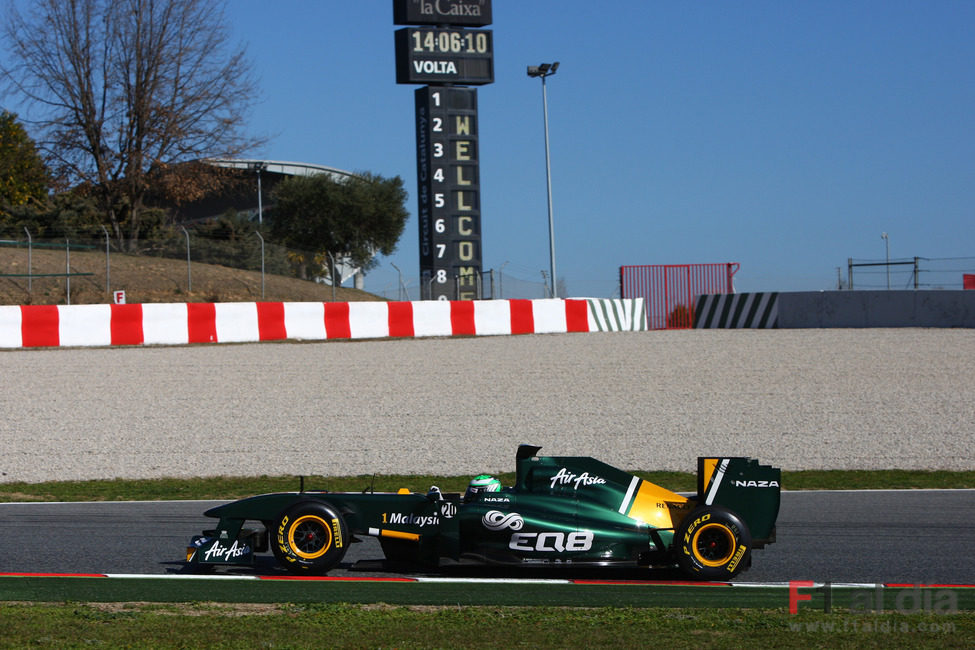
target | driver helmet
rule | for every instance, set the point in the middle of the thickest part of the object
(480, 484)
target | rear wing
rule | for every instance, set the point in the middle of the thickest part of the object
(744, 486)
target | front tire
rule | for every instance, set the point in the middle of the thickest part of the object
(712, 543)
(309, 538)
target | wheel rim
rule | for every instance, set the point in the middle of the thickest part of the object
(310, 537)
(713, 544)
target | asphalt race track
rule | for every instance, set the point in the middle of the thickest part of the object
(897, 536)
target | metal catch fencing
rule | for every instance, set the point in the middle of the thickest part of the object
(41, 270)
(908, 273)
(34, 271)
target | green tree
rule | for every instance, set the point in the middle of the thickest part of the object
(23, 175)
(680, 317)
(123, 90)
(230, 240)
(69, 214)
(352, 218)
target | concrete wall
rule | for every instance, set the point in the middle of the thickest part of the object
(877, 309)
(818, 309)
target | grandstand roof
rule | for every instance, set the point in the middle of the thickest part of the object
(278, 167)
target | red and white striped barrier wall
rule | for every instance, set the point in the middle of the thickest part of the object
(29, 326)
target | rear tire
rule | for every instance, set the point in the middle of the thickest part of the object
(712, 543)
(309, 538)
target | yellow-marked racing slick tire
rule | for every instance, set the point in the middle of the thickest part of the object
(712, 543)
(309, 538)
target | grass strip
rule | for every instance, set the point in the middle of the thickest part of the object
(457, 594)
(550, 593)
(229, 487)
(553, 593)
(203, 624)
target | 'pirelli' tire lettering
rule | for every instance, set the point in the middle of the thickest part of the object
(310, 537)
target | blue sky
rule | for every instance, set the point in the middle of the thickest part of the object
(785, 136)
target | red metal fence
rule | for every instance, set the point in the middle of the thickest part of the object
(670, 290)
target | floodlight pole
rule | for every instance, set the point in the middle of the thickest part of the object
(546, 70)
(259, 167)
(886, 239)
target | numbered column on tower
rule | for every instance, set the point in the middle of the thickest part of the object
(448, 185)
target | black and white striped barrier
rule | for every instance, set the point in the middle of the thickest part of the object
(737, 311)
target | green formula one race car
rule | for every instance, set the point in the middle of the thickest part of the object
(565, 511)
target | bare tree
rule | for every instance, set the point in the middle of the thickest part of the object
(121, 90)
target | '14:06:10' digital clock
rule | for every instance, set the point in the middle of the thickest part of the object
(429, 55)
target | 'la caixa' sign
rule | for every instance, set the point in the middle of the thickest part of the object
(467, 13)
